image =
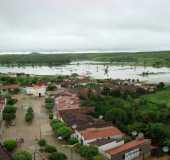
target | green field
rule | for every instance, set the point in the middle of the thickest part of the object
(161, 97)
(156, 59)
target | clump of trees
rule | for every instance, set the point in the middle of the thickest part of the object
(61, 129)
(29, 115)
(53, 154)
(10, 144)
(88, 152)
(22, 155)
(57, 156)
(49, 104)
(9, 114)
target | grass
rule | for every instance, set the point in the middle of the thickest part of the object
(159, 97)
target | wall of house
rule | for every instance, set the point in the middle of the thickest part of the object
(109, 146)
(142, 151)
(36, 91)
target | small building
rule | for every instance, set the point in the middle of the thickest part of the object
(90, 135)
(67, 101)
(38, 89)
(138, 149)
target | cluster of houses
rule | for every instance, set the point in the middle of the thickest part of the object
(91, 131)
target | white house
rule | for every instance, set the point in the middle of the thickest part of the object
(37, 89)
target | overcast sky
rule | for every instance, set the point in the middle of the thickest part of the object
(118, 25)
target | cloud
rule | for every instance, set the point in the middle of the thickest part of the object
(116, 25)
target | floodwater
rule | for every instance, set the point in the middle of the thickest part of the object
(97, 70)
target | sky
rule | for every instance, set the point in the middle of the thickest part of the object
(111, 25)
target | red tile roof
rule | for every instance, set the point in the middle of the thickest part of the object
(95, 133)
(9, 86)
(67, 101)
(130, 145)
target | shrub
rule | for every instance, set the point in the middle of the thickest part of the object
(64, 132)
(50, 148)
(57, 156)
(88, 152)
(73, 140)
(42, 142)
(9, 113)
(10, 144)
(29, 115)
(22, 155)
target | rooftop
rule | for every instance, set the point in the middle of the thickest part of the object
(81, 120)
(130, 145)
(9, 86)
(101, 142)
(67, 101)
(95, 133)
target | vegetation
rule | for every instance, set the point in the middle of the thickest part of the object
(148, 113)
(10, 144)
(156, 59)
(9, 113)
(88, 152)
(49, 104)
(60, 129)
(73, 141)
(57, 156)
(22, 155)
(42, 142)
(50, 148)
(29, 115)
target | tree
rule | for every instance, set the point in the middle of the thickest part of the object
(10, 144)
(57, 156)
(116, 115)
(42, 142)
(64, 132)
(161, 85)
(22, 155)
(29, 115)
(9, 113)
(88, 152)
(50, 148)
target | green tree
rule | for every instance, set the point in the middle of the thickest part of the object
(10, 144)
(22, 155)
(88, 152)
(116, 115)
(50, 148)
(9, 113)
(64, 132)
(57, 156)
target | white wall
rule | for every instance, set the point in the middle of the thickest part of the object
(111, 145)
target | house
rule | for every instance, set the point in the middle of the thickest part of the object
(66, 101)
(80, 120)
(38, 89)
(2, 105)
(138, 149)
(92, 134)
